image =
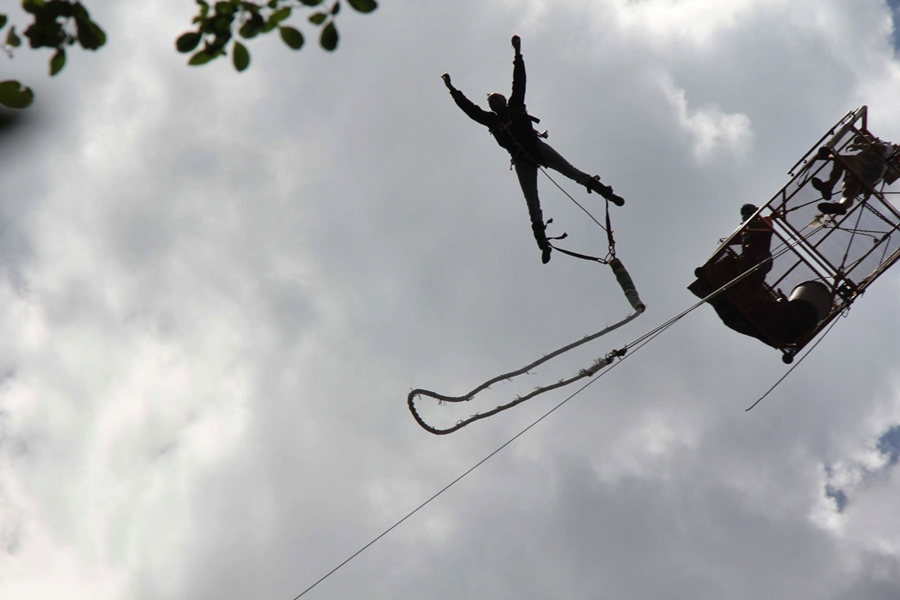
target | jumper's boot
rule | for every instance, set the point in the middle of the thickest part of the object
(834, 208)
(540, 236)
(545, 254)
(823, 187)
(593, 185)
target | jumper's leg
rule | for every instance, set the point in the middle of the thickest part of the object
(825, 187)
(554, 160)
(850, 189)
(527, 174)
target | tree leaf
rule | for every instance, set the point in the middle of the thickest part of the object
(252, 27)
(14, 95)
(336, 8)
(55, 9)
(45, 34)
(221, 24)
(217, 46)
(201, 58)
(12, 39)
(277, 17)
(86, 36)
(280, 15)
(363, 6)
(2, 21)
(317, 18)
(291, 37)
(188, 41)
(90, 36)
(311, 2)
(329, 38)
(80, 12)
(58, 61)
(33, 6)
(240, 56)
(99, 35)
(224, 8)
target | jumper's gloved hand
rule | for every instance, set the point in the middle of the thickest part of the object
(446, 78)
(517, 44)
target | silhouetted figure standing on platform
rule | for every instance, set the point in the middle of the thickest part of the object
(872, 162)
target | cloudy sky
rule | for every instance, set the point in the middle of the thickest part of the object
(216, 290)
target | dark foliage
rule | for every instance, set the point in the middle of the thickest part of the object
(219, 25)
(61, 23)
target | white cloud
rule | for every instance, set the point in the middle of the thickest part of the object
(228, 282)
(711, 130)
(693, 22)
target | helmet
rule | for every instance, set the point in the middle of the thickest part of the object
(747, 211)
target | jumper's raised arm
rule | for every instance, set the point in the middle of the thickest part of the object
(475, 112)
(517, 98)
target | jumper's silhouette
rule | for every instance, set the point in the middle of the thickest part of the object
(513, 128)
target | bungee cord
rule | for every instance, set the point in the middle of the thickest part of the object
(448, 486)
(628, 288)
(632, 348)
(589, 371)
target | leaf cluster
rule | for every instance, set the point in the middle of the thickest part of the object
(219, 26)
(226, 22)
(57, 24)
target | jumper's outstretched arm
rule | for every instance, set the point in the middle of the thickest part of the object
(474, 112)
(518, 86)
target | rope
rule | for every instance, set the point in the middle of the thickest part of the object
(577, 203)
(449, 485)
(875, 212)
(608, 228)
(634, 347)
(797, 364)
(588, 372)
(522, 150)
(633, 298)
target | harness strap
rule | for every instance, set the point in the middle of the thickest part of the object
(609, 233)
(602, 261)
(563, 236)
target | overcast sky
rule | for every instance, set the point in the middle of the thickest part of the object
(216, 290)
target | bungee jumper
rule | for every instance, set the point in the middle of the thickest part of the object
(513, 128)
